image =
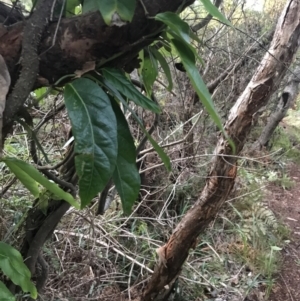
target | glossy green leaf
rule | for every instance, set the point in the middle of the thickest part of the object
(5, 294)
(188, 60)
(125, 86)
(12, 265)
(164, 65)
(30, 177)
(164, 157)
(176, 24)
(190, 46)
(149, 71)
(22, 175)
(179, 30)
(211, 9)
(113, 11)
(126, 176)
(94, 127)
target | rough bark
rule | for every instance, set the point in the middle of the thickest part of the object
(29, 59)
(67, 46)
(87, 38)
(286, 101)
(222, 175)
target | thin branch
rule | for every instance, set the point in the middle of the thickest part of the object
(206, 20)
(104, 244)
(7, 186)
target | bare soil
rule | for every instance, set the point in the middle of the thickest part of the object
(286, 205)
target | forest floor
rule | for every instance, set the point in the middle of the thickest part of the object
(286, 206)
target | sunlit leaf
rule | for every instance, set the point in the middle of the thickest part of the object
(30, 177)
(5, 294)
(12, 265)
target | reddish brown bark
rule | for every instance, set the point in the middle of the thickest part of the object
(222, 175)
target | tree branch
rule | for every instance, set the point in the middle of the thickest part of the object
(33, 31)
(206, 20)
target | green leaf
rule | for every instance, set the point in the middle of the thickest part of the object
(94, 127)
(5, 294)
(12, 265)
(176, 24)
(121, 82)
(22, 175)
(164, 65)
(126, 176)
(89, 5)
(30, 176)
(164, 157)
(211, 9)
(188, 60)
(112, 11)
(71, 6)
(149, 71)
(179, 30)
(166, 42)
(40, 94)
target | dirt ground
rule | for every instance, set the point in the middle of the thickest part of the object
(286, 206)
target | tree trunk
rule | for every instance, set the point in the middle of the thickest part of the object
(222, 175)
(286, 101)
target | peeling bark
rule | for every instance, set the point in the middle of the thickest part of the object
(286, 101)
(222, 175)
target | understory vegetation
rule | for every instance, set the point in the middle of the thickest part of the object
(101, 256)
